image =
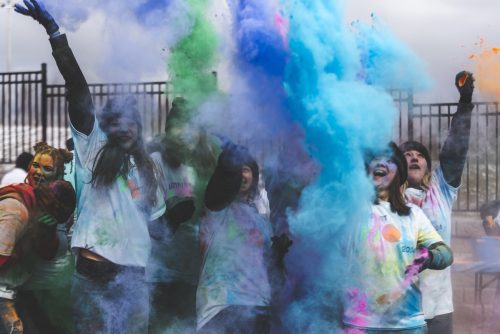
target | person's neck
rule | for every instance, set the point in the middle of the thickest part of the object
(383, 195)
(415, 185)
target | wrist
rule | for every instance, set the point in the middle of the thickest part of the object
(52, 28)
(55, 34)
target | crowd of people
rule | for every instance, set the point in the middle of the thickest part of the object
(156, 243)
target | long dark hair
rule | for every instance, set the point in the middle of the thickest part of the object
(396, 197)
(396, 188)
(113, 161)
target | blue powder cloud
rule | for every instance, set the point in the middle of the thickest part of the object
(344, 115)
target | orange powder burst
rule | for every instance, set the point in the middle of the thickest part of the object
(487, 71)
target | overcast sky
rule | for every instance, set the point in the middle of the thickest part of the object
(443, 33)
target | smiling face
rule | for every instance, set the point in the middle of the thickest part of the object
(124, 131)
(42, 170)
(247, 179)
(382, 170)
(417, 167)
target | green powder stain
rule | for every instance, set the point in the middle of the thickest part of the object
(122, 183)
(192, 60)
(191, 67)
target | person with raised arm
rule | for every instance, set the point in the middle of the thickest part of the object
(119, 195)
(435, 191)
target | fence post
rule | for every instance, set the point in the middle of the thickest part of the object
(410, 115)
(44, 102)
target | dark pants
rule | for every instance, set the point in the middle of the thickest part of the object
(441, 324)
(113, 300)
(173, 305)
(239, 320)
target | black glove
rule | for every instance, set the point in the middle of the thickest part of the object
(179, 210)
(464, 81)
(38, 12)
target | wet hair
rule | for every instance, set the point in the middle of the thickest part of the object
(112, 160)
(60, 156)
(23, 160)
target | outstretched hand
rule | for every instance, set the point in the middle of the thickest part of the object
(36, 10)
(464, 81)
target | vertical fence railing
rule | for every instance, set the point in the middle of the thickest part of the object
(21, 109)
(480, 180)
(31, 110)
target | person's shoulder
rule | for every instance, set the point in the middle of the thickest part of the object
(415, 210)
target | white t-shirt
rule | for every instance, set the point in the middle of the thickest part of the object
(437, 204)
(17, 175)
(111, 221)
(235, 243)
(384, 298)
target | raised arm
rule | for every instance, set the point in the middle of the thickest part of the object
(454, 152)
(80, 106)
(225, 182)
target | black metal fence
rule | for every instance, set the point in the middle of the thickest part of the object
(429, 123)
(32, 110)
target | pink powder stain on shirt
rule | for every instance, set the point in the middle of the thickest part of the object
(411, 272)
(374, 235)
(358, 306)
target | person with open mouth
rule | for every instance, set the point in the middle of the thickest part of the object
(435, 191)
(396, 244)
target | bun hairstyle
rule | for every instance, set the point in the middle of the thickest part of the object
(60, 156)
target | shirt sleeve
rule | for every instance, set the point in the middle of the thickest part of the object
(427, 234)
(13, 224)
(448, 192)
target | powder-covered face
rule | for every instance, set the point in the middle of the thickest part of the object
(247, 179)
(382, 170)
(417, 167)
(42, 170)
(124, 132)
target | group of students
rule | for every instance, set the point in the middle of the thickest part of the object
(152, 231)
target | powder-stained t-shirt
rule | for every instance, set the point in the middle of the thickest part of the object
(111, 221)
(235, 243)
(384, 297)
(14, 224)
(437, 204)
(175, 258)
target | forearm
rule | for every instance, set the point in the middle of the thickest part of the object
(441, 256)
(454, 152)
(80, 106)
